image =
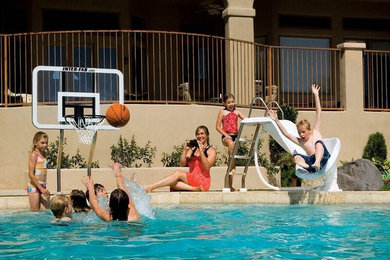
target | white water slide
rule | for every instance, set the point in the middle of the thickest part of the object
(328, 172)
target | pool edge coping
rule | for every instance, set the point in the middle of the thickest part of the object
(18, 199)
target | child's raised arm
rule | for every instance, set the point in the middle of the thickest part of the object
(316, 91)
(99, 211)
(133, 212)
(274, 116)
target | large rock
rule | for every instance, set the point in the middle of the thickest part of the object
(359, 175)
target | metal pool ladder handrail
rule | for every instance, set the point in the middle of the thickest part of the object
(254, 142)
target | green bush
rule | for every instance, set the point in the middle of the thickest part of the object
(67, 161)
(172, 159)
(375, 148)
(132, 155)
(386, 187)
(278, 155)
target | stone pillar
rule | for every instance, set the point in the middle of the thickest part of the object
(238, 18)
(352, 76)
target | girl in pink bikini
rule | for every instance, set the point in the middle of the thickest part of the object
(200, 157)
(227, 125)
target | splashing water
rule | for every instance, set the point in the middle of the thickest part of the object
(140, 198)
(91, 217)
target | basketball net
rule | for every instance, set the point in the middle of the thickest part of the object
(86, 126)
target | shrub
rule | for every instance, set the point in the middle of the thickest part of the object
(172, 159)
(375, 148)
(132, 155)
(76, 161)
(278, 155)
(386, 187)
(244, 148)
(383, 167)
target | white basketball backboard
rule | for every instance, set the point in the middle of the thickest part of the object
(60, 91)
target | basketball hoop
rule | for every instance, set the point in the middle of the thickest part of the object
(86, 126)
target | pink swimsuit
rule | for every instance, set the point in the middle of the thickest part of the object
(198, 175)
(229, 123)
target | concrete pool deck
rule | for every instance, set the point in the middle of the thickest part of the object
(256, 194)
(18, 199)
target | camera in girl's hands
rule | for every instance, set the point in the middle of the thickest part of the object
(193, 143)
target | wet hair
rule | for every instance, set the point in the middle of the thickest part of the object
(38, 136)
(227, 96)
(96, 187)
(58, 204)
(305, 123)
(206, 130)
(79, 201)
(119, 205)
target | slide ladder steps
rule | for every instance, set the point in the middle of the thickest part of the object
(246, 157)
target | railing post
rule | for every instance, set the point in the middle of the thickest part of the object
(269, 71)
(5, 71)
(240, 70)
(352, 76)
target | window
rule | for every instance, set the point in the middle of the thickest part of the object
(299, 68)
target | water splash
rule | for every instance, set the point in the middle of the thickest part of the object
(140, 198)
(91, 217)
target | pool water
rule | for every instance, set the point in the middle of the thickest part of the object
(205, 231)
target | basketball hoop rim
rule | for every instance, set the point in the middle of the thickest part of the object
(101, 117)
(85, 126)
(71, 120)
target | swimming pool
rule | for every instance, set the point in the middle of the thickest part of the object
(200, 231)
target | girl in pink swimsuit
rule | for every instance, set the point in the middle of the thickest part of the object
(200, 158)
(227, 125)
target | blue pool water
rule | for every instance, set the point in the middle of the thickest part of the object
(212, 231)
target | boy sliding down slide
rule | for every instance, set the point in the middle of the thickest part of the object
(309, 139)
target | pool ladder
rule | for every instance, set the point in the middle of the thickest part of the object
(246, 157)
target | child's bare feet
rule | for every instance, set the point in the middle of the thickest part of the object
(148, 188)
(115, 165)
(303, 165)
(132, 177)
(316, 166)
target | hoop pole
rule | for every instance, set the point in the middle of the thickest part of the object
(59, 159)
(91, 152)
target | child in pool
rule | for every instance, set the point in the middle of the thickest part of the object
(38, 194)
(79, 201)
(100, 191)
(61, 207)
(121, 206)
(227, 126)
(309, 139)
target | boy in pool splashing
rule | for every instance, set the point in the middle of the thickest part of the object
(309, 139)
(61, 207)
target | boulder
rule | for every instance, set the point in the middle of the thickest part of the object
(360, 175)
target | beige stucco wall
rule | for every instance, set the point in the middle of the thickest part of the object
(71, 178)
(166, 126)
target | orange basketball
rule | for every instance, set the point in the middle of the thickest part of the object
(118, 115)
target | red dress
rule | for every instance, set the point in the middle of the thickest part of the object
(229, 123)
(198, 175)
